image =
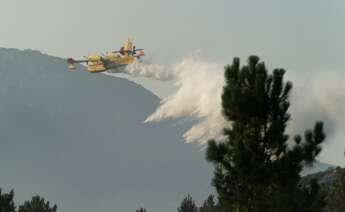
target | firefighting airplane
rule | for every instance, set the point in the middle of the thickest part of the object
(110, 62)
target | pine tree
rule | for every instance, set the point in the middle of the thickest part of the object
(141, 210)
(188, 205)
(37, 204)
(6, 202)
(209, 205)
(255, 167)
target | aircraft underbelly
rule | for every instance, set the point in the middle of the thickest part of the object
(112, 65)
(95, 68)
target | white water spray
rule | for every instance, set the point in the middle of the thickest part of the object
(198, 97)
(149, 70)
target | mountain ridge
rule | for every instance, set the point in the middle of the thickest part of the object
(79, 140)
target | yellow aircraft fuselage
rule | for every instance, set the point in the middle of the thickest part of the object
(112, 61)
(100, 64)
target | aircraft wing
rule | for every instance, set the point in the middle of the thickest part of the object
(71, 63)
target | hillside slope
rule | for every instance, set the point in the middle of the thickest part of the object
(78, 139)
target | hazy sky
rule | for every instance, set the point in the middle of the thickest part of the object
(306, 37)
(299, 35)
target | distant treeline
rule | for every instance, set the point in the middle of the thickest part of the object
(36, 204)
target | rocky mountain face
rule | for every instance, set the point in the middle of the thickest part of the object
(316, 167)
(332, 184)
(325, 178)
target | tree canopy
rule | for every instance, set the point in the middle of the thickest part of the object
(37, 204)
(257, 166)
(188, 205)
(7, 202)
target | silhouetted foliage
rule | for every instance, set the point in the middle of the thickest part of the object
(209, 205)
(37, 204)
(141, 210)
(188, 205)
(6, 202)
(255, 169)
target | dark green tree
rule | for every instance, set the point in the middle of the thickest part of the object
(256, 169)
(37, 204)
(188, 205)
(141, 209)
(209, 205)
(6, 202)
